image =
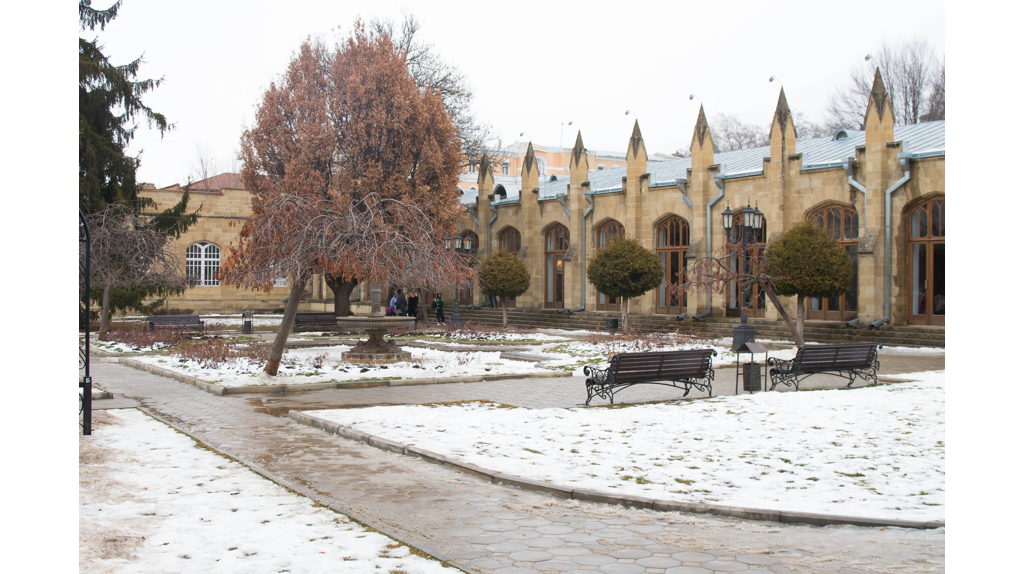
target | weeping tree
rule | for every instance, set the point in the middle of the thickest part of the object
(503, 275)
(130, 252)
(804, 261)
(625, 269)
(299, 235)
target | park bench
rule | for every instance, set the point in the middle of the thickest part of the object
(848, 361)
(175, 322)
(314, 321)
(680, 369)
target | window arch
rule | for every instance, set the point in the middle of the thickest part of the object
(842, 223)
(671, 241)
(608, 233)
(202, 263)
(927, 262)
(542, 166)
(509, 240)
(556, 243)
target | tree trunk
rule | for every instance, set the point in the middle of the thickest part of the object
(798, 336)
(342, 290)
(625, 312)
(105, 312)
(800, 318)
(298, 287)
(504, 313)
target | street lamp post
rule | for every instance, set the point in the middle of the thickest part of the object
(750, 222)
(463, 246)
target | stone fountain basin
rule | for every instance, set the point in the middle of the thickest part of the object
(375, 323)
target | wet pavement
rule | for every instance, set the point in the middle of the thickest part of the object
(484, 527)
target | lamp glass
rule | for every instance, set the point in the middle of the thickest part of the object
(447, 242)
(748, 217)
(468, 242)
(727, 219)
(757, 218)
(458, 242)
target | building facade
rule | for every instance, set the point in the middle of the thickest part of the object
(880, 192)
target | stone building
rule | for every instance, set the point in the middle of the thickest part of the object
(880, 191)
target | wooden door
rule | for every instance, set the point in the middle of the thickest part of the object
(842, 223)
(510, 241)
(671, 240)
(556, 242)
(608, 233)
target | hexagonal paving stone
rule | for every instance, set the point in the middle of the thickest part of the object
(485, 539)
(760, 559)
(645, 528)
(490, 563)
(621, 569)
(544, 543)
(533, 522)
(630, 553)
(654, 562)
(467, 554)
(593, 560)
(465, 532)
(515, 570)
(569, 551)
(521, 535)
(498, 527)
(659, 549)
(693, 557)
(507, 547)
(619, 521)
(530, 556)
(578, 537)
(724, 566)
(688, 570)
(556, 566)
(555, 530)
(633, 541)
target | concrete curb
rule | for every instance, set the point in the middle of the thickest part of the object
(783, 516)
(221, 390)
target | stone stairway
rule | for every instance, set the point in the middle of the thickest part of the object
(816, 331)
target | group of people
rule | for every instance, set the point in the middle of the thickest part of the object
(401, 306)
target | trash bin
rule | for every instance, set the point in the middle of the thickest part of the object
(751, 377)
(247, 322)
(612, 324)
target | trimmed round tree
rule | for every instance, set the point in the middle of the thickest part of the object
(503, 275)
(625, 269)
(807, 262)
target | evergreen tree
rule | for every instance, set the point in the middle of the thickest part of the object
(625, 269)
(503, 275)
(109, 105)
(807, 262)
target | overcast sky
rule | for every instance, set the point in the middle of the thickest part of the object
(534, 66)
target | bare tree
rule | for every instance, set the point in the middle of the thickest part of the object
(129, 251)
(202, 167)
(907, 70)
(730, 133)
(937, 96)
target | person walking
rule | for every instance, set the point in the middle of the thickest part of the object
(400, 304)
(438, 307)
(414, 304)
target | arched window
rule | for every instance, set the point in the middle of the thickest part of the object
(927, 264)
(842, 223)
(609, 232)
(753, 299)
(556, 242)
(500, 194)
(671, 240)
(509, 240)
(542, 166)
(202, 263)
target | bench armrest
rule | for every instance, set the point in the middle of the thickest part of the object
(783, 364)
(594, 373)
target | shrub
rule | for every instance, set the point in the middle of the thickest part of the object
(625, 269)
(503, 275)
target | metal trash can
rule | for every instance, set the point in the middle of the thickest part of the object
(751, 377)
(247, 322)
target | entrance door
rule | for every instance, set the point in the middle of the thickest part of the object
(741, 296)
(841, 222)
(927, 263)
(556, 242)
(607, 234)
(672, 239)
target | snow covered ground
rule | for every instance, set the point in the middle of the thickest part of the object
(874, 451)
(299, 367)
(151, 500)
(471, 336)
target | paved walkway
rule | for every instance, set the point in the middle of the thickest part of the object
(484, 527)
